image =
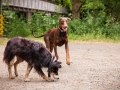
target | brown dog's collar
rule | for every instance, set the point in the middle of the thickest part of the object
(61, 30)
(61, 33)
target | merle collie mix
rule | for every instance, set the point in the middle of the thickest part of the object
(34, 53)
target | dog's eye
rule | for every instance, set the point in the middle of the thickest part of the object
(67, 21)
(62, 22)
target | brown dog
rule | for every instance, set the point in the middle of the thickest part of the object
(57, 37)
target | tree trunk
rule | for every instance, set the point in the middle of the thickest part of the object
(76, 7)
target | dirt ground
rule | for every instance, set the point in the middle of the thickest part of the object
(94, 66)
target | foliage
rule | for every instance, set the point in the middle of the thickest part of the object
(95, 29)
(98, 19)
(14, 26)
(64, 3)
(40, 23)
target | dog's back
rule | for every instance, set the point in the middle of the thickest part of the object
(25, 49)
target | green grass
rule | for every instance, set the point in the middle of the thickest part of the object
(72, 37)
(90, 37)
(4, 40)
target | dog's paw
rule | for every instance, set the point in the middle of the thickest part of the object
(16, 74)
(27, 80)
(50, 79)
(12, 77)
(68, 63)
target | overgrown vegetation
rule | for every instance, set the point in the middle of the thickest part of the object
(95, 28)
(40, 23)
(98, 27)
(14, 26)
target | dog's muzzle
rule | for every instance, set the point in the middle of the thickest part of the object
(56, 77)
(64, 29)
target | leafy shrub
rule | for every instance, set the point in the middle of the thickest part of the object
(97, 27)
(92, 27)
(14, 26)
(41, 23)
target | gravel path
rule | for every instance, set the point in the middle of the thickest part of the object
(94, 66)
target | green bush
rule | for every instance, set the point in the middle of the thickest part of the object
(40, 23)
(98, 27)
(91, 27)
(14, 26)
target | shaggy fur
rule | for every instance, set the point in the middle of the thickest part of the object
(34, 53)
(57, 37)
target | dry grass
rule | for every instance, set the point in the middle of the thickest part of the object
(3, 40)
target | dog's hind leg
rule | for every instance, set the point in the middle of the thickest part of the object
(29, 68)
(10, 69)
(47, 42)
(19, 60)
(51, 47)
(55, 50)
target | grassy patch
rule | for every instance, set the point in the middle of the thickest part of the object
(3, 40)
(72, 38)
(89, 37)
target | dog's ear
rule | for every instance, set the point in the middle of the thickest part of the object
(64, 17)
(58, 64)
(68, 19)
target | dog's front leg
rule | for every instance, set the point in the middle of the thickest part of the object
(41, 73)
(29, 68)
(49, 76)
(67, 54)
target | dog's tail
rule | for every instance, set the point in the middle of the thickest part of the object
(8, 56)
(36, 36)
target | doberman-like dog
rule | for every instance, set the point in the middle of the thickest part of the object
(57, 37)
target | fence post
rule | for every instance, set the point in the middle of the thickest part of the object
(0, 6)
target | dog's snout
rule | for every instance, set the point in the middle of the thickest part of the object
(65, 24)
(65, 27)
(56, 77)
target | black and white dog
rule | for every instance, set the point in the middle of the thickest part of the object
(34, 53)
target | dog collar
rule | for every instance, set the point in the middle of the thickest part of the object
(61, 30)
(50, 62)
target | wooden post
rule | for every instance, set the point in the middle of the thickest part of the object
(29, 15)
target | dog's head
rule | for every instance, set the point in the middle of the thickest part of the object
(53, 68)
(63, 21)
